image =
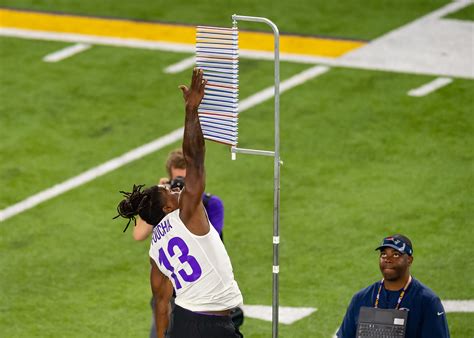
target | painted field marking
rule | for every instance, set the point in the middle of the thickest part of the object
(66, 52)
(458, 305)
(180, 66)
(430, 87)
(147, 149)
(96, 40)
(284, 86)
(91, 174)
(429, 45)
(163, 32)
(286, 314)
(312, 50)
(449, 8)
(154, 45)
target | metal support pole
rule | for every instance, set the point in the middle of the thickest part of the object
(276, 167)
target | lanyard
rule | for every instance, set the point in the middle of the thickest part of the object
(399, 298)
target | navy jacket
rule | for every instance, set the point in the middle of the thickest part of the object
(426, 316)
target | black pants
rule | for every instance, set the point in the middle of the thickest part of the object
(188, 324)
(237, 317)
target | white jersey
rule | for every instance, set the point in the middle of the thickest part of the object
(198, 266)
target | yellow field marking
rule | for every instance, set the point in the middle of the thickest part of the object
(293, 44)
(297, 44)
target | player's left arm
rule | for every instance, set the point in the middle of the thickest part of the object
(434, 323)
(162, 291)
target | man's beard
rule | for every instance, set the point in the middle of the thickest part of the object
(392, 274)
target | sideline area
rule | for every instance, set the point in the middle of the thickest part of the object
(180, 35)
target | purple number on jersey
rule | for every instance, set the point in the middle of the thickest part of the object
(196, 270)
(164, 261)
(185, 258)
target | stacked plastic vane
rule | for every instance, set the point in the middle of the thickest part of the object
(217, 54)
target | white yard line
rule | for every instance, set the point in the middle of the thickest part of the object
(180, 66)
(430, 87)
(445, 10)
(146, 149)
(91, 174)
(284, 86)
(66, 52)
(458, 305)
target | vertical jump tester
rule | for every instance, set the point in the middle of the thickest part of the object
(217, 54)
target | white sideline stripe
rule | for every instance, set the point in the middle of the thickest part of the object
(286, 314)
(430, 87)
(345, 61)
(145, 149)
(144, 44)
(449, 306)
(284, 86)
(445, 10)
(66, 52)
(96, 40)
(458, 305)
(180, 66)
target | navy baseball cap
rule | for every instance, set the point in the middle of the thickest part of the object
(399, 243)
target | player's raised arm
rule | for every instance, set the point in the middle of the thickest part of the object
(190, 204)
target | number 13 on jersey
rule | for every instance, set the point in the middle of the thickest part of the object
(184, 258)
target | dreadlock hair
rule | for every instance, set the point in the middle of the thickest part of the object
(147, 204)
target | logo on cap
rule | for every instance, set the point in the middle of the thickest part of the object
(397, 244)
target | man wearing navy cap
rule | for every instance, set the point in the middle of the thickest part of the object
(399, 290)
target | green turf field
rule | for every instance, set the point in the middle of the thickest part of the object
(361, 160)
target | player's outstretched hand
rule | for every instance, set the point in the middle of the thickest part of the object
(194, 94)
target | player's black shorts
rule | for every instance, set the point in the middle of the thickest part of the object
(188, 324)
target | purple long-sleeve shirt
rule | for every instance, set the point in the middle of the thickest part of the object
(215, 211)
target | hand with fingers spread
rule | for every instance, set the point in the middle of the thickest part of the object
(194, 94)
